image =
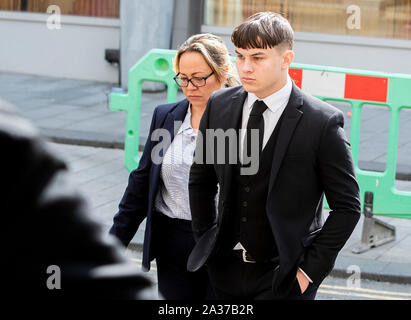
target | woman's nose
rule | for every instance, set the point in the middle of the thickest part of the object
(190, 86)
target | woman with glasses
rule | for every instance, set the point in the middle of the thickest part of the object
(158, 188)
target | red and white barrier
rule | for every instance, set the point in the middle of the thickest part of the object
(341, 85)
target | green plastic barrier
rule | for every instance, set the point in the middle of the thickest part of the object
(156, 65)
(380, 89)
(387, 200)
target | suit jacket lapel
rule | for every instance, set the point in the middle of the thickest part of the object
(178, 114)
(292, 115)
(235, 109)
(174, 119)
(234, 114)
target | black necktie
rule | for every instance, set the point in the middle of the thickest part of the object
(255, 121)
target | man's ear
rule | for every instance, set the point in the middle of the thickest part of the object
(288, 57)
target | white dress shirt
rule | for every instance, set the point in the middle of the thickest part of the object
(172, 196)
(276, 104)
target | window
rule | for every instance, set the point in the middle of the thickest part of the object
(93, 8)
(378, 18)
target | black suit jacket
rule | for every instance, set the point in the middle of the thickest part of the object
(312, 158)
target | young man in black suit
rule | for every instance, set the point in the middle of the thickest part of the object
(269, 240)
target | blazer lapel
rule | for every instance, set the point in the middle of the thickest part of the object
(177, 114)
(234, 114)
(292, 115)
(235, 109)
(174, 119)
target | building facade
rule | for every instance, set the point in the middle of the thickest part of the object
(71, 38)
(361, 34)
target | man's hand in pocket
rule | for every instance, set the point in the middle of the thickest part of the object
(302, 281)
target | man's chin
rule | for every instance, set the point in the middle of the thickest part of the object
(249, 88)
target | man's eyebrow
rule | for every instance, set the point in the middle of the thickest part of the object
(260, 53)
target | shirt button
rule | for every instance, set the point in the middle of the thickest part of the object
(243, 219)
(247, 189)
(245, 204)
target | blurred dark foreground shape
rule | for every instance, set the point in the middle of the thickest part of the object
(50, 245)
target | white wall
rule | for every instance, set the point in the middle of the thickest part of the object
(75, 51)
(365, 53)
(145, 25)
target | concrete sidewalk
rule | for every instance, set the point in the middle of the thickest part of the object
(76, 112)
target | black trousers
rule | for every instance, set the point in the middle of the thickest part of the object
(234, 279)
(174, 242)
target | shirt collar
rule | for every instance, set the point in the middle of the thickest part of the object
(186, 125)
(276, 100)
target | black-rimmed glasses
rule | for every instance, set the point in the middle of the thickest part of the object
(195, 81)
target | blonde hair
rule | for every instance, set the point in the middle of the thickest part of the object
(215, 53)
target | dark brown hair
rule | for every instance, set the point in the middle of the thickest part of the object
(263, 30)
